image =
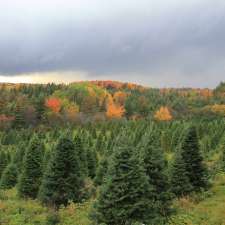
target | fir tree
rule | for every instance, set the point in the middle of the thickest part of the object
(19, 120)
(3, 162)
(101, 171)
(19, 155)
(193, 160)
(223, 154)
(30, 179)
(155, 168)
(9, 177)
(91, 162)
(180, 184)
(62, 180)
(123, 198)
(82, 154)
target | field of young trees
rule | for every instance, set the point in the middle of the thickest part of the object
(111, 153)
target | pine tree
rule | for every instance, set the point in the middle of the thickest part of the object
(9, 177)
(180, 184)
(193, 160)
(82, 154)
(123, 197)
(155, 168)
(30, 179)
(62, 180)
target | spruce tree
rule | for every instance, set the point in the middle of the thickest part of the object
(101, 171)
(9, 177)
(180, 184)
(123, 197)
(62, 181)
(91, 162)
(3, 162)
(193, 160)
(30, 179)
(155, 167)
(82, 154)
(222, 148)
(19, 120)
(19, 155)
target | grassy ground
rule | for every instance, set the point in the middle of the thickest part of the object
(205, 209)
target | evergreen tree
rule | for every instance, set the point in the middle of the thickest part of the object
(91, 162)
(101, 171)
(19, 155)
(155, 168)
(9, 177)
(180, 184)
(3, 162)
(30, 179)
(193, 160)
(82, 154)
(123, 198)
(19, 120)
(62, 180)
(223, 154)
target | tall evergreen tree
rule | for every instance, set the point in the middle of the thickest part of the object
(30, 179)
(19, 155)
(101, 171)
(9, 177)
(223, 154)
(62, 180)
(19, 120)
(123, 198)
(180, 183)
(155, 168)
(193, 160)
(82, 154)
(3, 162)
(92, 162)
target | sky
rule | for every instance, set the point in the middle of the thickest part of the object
(163, 43)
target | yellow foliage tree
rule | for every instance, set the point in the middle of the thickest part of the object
(163, 114)
(114, 110)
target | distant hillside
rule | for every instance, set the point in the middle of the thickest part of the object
(23, 105)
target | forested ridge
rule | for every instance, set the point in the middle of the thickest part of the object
(111, 153)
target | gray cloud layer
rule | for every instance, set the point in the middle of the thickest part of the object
(170, 42)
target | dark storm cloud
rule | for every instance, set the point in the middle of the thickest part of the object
(153, 41)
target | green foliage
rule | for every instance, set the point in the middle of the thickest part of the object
(193, 160)
(82, 154)
(62, 180)
(155, 168)
(3, 162)
(91, 162)
(9, 177)
(180, 183)
(30, 179)
(101, 171)
(123, 197)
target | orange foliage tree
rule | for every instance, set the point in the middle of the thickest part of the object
(114, 110)
(54, 104)
(163, 114)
